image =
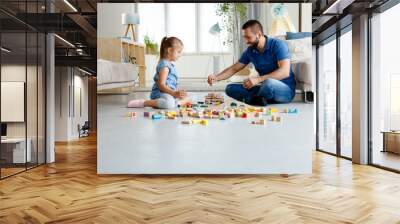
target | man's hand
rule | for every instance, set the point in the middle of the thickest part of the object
(211, 79)
(180, 94)
(250, 82)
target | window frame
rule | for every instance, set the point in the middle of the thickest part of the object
(197, 50)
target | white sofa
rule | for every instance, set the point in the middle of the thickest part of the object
(111, 75)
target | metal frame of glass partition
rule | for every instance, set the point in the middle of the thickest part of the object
(40, 36)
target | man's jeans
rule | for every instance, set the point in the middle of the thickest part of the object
(270, 91)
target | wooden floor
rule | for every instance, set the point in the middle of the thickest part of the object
(70, 191)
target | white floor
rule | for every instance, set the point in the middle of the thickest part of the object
(234, 146)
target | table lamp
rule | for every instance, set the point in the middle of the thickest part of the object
(131, 20)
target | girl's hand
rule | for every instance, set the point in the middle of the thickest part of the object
(211, 79)
(180, 94)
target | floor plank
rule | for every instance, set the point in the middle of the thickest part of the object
(70, 191)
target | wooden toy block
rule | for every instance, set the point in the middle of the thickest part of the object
(214, 98)
(204, 122)
(292, 111)
(171, 117)
(131, 114)
(275, 118)
(196, 121)
(233, 104)
(200, 102)
(285, 110)
(259, 122)
(244, 115)
(222, 118)
(256, 114)
(156, 116)
(273, 110)
(186, 122)
(146, 114)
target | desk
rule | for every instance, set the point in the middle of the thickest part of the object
(15, 148)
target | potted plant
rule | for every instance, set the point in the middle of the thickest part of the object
(232, 14)
(151, 45)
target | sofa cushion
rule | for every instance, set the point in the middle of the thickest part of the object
(300, 49)
(297, 35)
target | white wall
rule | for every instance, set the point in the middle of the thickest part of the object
(265, 16)
(62, 83)
(306, 17)
(191, 66)
(109, 19)
(67, 81)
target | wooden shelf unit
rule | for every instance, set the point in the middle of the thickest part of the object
(123, 50)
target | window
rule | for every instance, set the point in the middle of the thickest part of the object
(385, 89)
(181, 22)
(152, 21)
(346, 94)
(190, 22)
(208, 41)
(327, 97)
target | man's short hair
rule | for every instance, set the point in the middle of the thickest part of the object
(254, 25)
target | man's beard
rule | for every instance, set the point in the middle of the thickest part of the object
(255, 44)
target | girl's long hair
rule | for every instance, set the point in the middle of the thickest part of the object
(166, 43)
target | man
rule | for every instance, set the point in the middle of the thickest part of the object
(271, 59)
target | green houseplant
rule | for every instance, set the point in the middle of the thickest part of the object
(231, 14)
(151, 45)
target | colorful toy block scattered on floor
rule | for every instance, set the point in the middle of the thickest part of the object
(146, 114)
(273, 110)
(214, 99)
(195, 121)
(156, 116)
(275, 118)
(131, 114)
(187, 122)
(186, 104)
(259, 122)
(292, 111)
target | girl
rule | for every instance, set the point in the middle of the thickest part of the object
(164, 92)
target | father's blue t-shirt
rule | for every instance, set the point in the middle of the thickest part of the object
(267, 61)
